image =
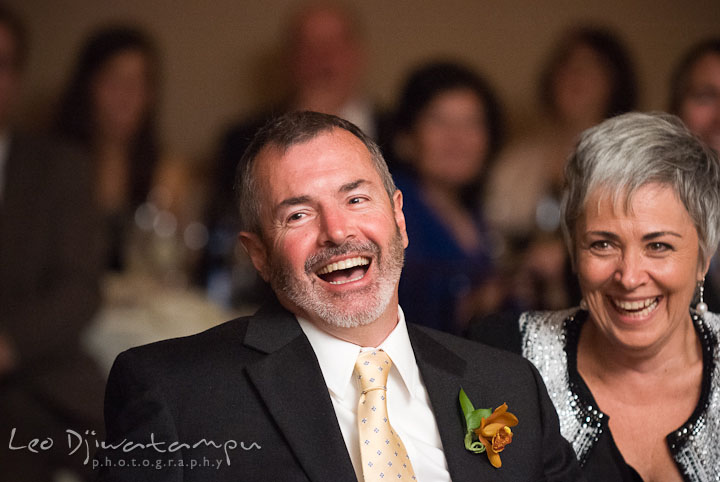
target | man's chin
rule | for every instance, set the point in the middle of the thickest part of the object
(349, 316)
(336, 311)
(354, 320)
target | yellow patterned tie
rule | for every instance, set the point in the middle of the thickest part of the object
(383, 454)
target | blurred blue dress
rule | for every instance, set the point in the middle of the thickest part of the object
(438, 272)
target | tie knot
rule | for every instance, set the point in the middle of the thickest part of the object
(372, 368)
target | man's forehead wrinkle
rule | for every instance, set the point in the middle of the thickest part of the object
(306, 198)
(269, 164)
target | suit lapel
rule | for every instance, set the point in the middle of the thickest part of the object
(443, 373)
(289, 378)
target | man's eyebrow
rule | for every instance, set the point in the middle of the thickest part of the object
(304, 199)
(352, 185)
(294, 201)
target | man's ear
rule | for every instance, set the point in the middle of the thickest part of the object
(399, 216)
(255, 248)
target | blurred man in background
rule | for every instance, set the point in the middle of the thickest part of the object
(49, 272)
(324, 63)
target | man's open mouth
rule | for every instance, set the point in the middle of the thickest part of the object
(344, 271)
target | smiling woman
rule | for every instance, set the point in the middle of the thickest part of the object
(638, 266)
(634, 372)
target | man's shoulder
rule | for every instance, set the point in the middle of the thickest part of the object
(175, 354)
(233, 343)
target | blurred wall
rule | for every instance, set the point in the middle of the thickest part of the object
(219, 55)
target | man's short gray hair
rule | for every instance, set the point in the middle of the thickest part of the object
(282, 133)
(629, 151)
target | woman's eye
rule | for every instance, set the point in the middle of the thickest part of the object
(600, 245)
(659, 247)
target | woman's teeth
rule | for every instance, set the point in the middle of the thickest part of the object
(640, 307)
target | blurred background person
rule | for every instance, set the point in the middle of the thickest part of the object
(324, 63)
(695, 91)
(449, 130)
(149, 201)
(109, 109)
(634, 373)
(49, 288)
(588, 78)
(695, 97)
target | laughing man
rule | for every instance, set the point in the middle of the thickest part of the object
(282, 395)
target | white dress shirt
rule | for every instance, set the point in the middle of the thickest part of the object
(409, 407)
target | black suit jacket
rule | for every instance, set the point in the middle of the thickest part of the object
(256, 380)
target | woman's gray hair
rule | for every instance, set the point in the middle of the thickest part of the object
(629, 151)
(282, 133)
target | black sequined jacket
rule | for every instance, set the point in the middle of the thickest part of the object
(550, 339)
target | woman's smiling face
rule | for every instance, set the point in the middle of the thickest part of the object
(638, 265)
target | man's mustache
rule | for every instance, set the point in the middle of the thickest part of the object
(323, 256)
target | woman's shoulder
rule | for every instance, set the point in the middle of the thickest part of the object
(712, 320)
(551, 322)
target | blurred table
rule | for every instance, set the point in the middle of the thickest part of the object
(138, 310)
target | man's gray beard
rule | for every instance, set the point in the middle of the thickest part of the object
(329, 307)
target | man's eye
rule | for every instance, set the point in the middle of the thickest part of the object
(296, 216)
(356, 200)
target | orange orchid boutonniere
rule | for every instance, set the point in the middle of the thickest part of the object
(487, 431)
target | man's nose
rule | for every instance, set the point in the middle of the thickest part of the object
(631, 271)
(336, 227)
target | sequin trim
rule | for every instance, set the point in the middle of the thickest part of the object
(695, 446)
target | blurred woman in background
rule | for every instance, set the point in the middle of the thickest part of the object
(448, 131)
(148, 200)
(695, 91)
(109, 108)
(589, 77)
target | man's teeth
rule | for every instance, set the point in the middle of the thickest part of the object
(344, 264)
(346, 281)
(642, 306)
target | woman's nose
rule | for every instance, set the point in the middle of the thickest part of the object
(631, 272)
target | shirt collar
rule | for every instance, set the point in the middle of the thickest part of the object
(337, 357)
